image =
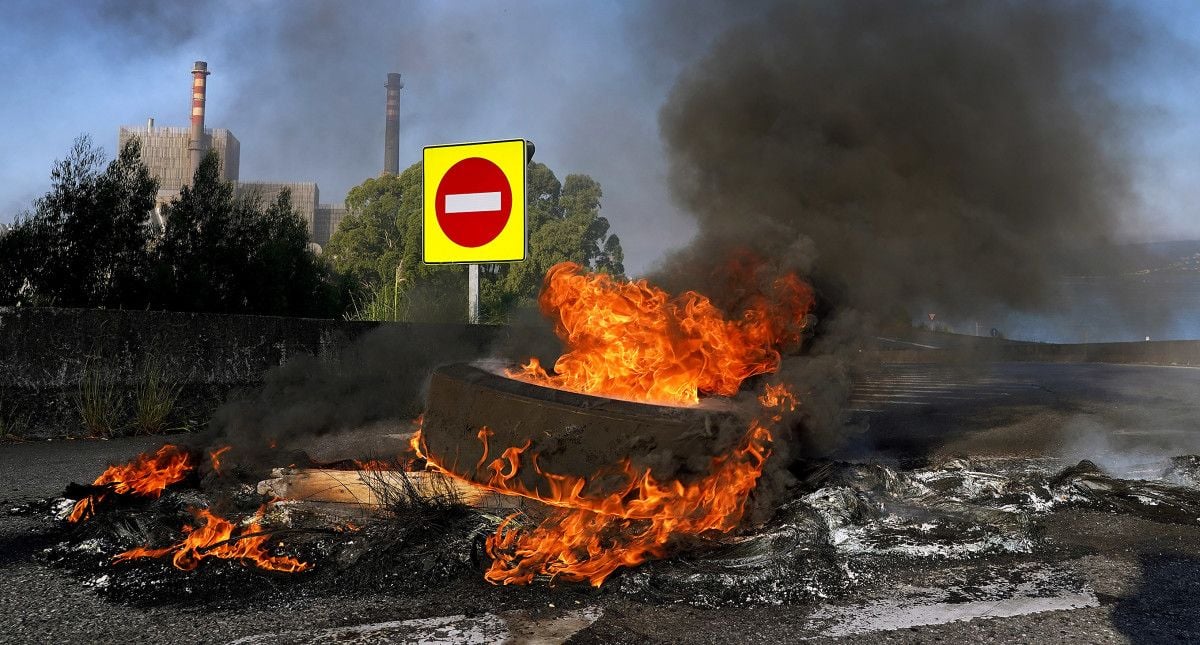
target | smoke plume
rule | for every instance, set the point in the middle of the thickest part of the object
(345, 404)
(957, 154)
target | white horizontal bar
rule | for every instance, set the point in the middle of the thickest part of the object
(472, 202)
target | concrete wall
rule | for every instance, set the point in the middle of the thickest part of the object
(44, 353)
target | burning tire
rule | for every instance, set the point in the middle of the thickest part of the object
(570, 434)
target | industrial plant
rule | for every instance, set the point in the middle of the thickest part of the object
(173, 154)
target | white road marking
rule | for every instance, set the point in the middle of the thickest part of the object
(502, 627)
(472, 202)
(906, 342)
(893, 615)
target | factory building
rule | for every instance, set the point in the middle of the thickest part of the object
(173, 154)
(165, 152)
(329, 216)
(305, 195)
(322, 219)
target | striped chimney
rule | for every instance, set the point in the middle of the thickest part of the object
(391, 132)
(197, 144)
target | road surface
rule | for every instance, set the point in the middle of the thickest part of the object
(1142, 577)
(1116, 415)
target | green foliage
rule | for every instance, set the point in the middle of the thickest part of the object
(379, 246)
(369, 242)
(98, 401)
(153, 399)
(229, 254)
(89, 243)
(388, 302)
(86, 243)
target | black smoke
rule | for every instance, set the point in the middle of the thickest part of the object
(958, 154)
(344, 404)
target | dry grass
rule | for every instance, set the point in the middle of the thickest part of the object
(98, 401)
(13, 425)
(154, 399)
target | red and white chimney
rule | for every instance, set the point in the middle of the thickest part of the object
(197, 144)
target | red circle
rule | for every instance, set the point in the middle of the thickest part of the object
(477, 217)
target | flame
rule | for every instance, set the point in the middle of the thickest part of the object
(374, 464)
(215, 457)
(778, 397)
(633, 340)
(219, 538)
(589, 538)
(147, 475)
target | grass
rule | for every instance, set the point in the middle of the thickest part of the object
(13, 426)
(430, 504)
(385, 305)
(98, 400)
(154, 399)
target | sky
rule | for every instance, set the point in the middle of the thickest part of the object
(300, 84)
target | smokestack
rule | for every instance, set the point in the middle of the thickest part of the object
(196, 145)
(391, 133)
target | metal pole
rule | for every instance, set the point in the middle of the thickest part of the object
(473, 294)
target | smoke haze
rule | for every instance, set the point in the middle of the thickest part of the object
(882, 83)
(951, 153)
(374, 386)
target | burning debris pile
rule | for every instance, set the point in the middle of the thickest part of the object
(630, 341)
(146, 476)
(846, 528)
(634, 341)
(636, 464)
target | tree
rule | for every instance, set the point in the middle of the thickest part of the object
(89, 243)
(379, 244)
(369, 241)
(223, 253)
(86, 243)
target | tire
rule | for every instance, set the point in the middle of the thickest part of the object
(571, 434)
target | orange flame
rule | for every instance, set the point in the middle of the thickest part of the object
(219, 538)
(147, 475)
(215, 457)
(633, 340)
(591, 537)
(374, 464)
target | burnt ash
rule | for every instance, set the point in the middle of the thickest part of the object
(846, 530)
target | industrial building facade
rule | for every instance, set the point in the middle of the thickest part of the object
(165, 153)
(172, 156)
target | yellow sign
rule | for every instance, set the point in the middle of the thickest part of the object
(474, 203)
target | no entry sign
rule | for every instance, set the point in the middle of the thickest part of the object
(474, 202)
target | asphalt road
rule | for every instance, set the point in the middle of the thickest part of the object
(1119, 416)
(1145, 576)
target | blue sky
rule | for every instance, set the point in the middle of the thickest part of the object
(301, 85)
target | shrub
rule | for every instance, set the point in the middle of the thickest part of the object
(154, 399)
(13, 425)
(98, 400)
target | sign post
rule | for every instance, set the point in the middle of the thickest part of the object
(473, 294)
(474, 207)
